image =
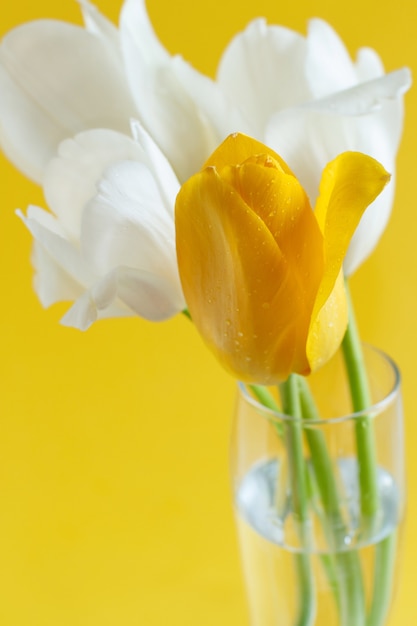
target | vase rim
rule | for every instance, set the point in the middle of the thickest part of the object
(372, 411)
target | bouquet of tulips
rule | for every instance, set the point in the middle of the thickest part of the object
(243, 201)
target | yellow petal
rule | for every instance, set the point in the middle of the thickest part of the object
(236, 148)
(237, 283)
(283, 206)
(328, 327)
(349, 184)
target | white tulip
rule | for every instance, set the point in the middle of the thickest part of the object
(111, 250)
(316, 103)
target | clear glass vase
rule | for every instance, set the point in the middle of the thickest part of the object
(332, 561)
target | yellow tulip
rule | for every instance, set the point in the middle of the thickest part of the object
(261, 272)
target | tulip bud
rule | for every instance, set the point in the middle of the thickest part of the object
(261, 273)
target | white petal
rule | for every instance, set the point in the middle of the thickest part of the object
(219, 116)
(136, 25)
(308, 140)
(54, 281)
(149, 296)
(28, 135)
(261, 71)
(51, 282)
(164, 107)
(96, 23)
(84, 312)
(44, 219)
(366, 97)
(368, 65)
(71, 179)
(145, 294)
(127, 225)
(159, 165)
(329, 67)
(61, 251)
(56, 80)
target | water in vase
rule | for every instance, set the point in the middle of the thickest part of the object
(273, 559)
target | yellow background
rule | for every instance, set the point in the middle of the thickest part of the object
(114, 494)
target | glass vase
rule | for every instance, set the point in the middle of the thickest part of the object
(327, 556)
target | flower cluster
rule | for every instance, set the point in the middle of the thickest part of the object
(112, 126)
(169, 191)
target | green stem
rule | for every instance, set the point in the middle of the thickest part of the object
(361, 400)
(368, 480)
(348, 585)
(264, 397)
(320, 459)
(291, 406)
(383, 580)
